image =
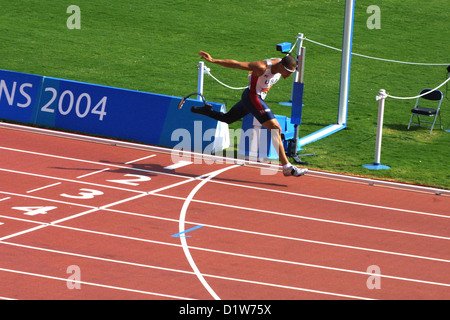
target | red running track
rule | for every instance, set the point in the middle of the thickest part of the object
(85, 220)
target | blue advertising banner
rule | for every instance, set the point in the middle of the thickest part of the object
(105, 111)
(19, 95)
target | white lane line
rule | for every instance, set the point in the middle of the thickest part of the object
(363, 273)
(333, 200)
(248, 256)
(43, 225)
(23, 232)
(246, 209)
(69, 180)
(311, 218)
(92, 162)
(400, 254)
(270, 235)
(182, 228)
(45, 199)
(179, 164)
(183, 271)
(44, 187)
(92, 173)
(258, 257)
(143, 158)
(172, 186)
(153, 192)
(93, 284)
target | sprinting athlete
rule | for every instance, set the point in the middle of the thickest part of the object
(263, 75)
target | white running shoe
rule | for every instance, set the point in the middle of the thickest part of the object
(294, 171)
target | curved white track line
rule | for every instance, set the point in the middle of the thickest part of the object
(182, 228)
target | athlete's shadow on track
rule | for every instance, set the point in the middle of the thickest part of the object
(153, 170)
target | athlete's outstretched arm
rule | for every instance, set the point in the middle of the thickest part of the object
(258, 67)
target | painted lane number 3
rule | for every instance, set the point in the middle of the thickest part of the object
(84, 194)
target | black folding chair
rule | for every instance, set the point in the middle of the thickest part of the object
(426, 109)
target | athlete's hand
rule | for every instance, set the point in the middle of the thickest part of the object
(206, 56)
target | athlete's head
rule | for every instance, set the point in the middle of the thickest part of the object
(289, 64)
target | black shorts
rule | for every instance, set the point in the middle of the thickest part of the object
(257, 106)
(254, 105)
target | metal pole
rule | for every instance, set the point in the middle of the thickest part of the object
(299, 54)
(298, 57)
(301, 65)
(201, 68)
(346, 61)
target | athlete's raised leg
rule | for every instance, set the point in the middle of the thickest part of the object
(237, 112)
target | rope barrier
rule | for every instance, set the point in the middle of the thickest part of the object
(421, 95)
(207, 71)
(375, 58)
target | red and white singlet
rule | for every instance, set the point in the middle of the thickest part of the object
(261, 85)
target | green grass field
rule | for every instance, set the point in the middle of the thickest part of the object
(152, 46)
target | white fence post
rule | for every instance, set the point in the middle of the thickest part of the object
(377, 164)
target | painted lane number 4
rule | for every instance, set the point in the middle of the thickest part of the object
(83, 194)
(32, 211)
